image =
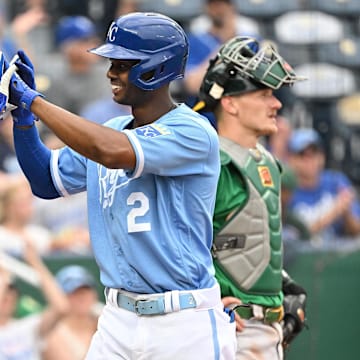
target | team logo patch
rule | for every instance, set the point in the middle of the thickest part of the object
(111, 35)
(265, 176)
(153, 130)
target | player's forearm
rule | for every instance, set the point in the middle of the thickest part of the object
(351, 224)
(325, 220)
(55, 297)
(4, 282)
(101, 144)
(57, 302)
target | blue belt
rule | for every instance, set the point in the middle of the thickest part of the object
(152, 306)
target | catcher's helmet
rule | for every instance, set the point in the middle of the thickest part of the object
(240, 66)
(74, 28)
(157, 41)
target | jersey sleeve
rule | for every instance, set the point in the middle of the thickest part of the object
(68, 171)
(173, 148)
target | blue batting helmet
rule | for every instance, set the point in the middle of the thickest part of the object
(157, 41)
(74, 28)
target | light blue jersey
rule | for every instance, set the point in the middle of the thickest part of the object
(151, 228)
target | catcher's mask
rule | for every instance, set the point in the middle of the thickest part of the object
(157, 41)
(241, 66)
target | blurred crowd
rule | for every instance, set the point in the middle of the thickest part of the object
(317, 141)
(57, 34)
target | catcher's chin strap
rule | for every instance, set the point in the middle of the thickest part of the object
(294, 309)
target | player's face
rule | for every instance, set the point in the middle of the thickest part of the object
(257, 111)
(124, 92)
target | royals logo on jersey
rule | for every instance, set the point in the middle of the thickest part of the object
(152, 130)
(265, 176)
(110, 180)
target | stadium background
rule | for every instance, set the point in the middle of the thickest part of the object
(330, 102)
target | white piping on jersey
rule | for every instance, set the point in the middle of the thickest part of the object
(140, 160)
(54, 165)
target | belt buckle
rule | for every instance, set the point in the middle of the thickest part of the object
(148, 307)
(136, 306)
(269, 314)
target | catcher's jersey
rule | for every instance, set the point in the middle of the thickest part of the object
(151, 228)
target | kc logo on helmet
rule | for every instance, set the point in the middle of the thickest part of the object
(111, 35)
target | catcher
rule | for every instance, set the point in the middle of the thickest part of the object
(239, 88)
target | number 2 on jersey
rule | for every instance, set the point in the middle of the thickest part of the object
(134, 225)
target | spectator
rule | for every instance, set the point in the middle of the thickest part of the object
(16, 205)
(223, 23)
(203, 22)
(20, 31)
(76, 77)
(8, 161)
(325, 199)
(124, 7)
(8, 46)
(21, 339)
(71, 337)
(294, 230)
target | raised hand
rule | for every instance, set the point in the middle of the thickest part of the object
(6, 73)
(17, 86)
(25, 69)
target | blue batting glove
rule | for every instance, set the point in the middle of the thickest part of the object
(25, 69)
(20, 94)
(15, 94)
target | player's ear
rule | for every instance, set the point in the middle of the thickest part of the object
(227, 102)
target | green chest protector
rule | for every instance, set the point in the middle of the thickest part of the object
(249, 247)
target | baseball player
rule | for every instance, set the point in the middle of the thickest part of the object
(150, 180)
(238, 86)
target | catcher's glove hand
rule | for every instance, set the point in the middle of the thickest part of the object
(294, 317)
